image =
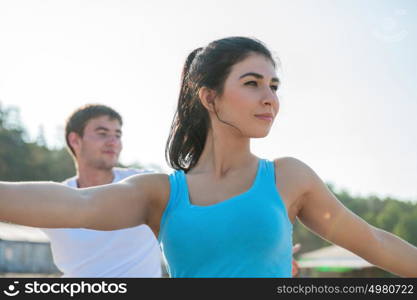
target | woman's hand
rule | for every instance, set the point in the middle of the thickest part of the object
(295, 267)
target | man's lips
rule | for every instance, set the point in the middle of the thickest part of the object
(109, 152)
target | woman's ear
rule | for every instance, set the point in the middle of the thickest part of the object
(207, 97)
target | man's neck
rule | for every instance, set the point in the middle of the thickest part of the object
(88, 177)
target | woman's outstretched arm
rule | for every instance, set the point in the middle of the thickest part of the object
(106, 207)
(325, 215)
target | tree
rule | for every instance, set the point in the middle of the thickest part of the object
(407, 227)
(390, 215)
(25, 161)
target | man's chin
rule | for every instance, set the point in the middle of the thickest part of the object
(105, 165)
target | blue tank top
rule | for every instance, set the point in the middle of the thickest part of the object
(248, 235)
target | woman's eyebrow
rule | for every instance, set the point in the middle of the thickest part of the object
(259, 76)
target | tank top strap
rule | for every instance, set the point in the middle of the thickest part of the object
(267, 173)
(177, 195)
(269, 186)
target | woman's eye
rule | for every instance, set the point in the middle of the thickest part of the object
(274, 88)
(251, 83)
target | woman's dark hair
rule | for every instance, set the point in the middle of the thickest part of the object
(204, 67)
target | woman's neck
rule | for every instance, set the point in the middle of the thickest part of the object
(223, 153)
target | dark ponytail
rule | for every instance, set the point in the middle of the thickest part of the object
(188, 134)
(204, 67)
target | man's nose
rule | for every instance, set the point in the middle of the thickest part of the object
(112, 140)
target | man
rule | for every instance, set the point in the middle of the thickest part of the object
(93, 135)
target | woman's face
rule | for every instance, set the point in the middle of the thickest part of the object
(249, 100)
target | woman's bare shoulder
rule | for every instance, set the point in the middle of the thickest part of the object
(150, 187)
(292, 165)
(148, 178)
(156, 182)
(158, 187)
(293, 170)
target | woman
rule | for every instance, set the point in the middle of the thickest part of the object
(224, 212)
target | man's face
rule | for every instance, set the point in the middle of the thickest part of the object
(101, 143)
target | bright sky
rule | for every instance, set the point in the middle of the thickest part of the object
(349, 96)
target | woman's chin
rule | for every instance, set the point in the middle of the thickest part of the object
(259, 135)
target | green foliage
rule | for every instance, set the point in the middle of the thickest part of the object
(406, 227)
(390, 216)
(24, 161)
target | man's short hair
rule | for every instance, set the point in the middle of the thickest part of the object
(80, 117)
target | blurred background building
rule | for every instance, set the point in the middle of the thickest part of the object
(335, 261)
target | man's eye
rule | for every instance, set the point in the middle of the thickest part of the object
(274, 88)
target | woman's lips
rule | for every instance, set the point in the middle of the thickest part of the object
(265, 117)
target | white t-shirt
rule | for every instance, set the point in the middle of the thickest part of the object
(130, 252)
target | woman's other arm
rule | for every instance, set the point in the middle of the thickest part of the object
(325, 215)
